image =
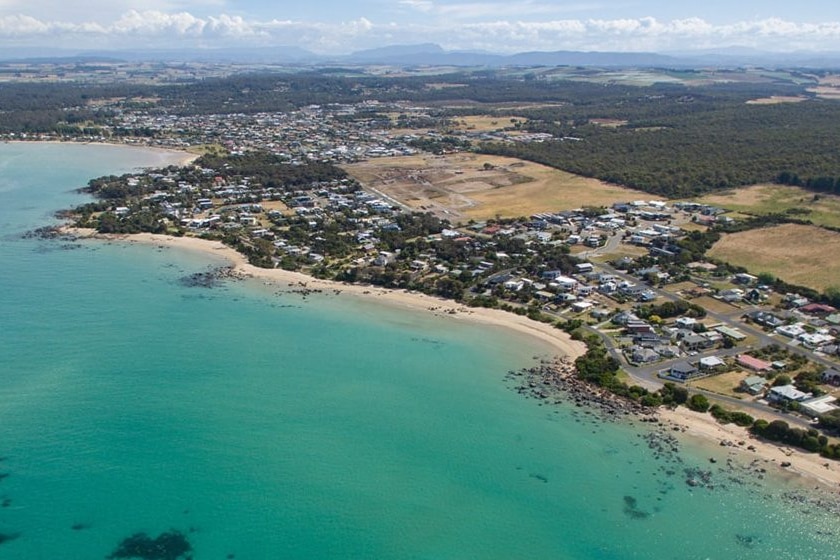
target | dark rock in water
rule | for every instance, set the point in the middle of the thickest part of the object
(6, 502)
(539, 477)
(167, 546)
(213, 278)
(3, 475)
(631, 509)
(747, 541)
(80, 526)
(6, 537)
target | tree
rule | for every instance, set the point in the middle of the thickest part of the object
(782, 380)
(698, 403)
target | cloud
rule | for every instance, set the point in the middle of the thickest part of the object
(137, 29)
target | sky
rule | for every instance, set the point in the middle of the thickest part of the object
(502, 26)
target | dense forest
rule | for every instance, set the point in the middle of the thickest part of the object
(686, 145)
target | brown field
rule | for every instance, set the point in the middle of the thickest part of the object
(723, 384)
(802, 255)
(472, 186)
(776, 99)
(714, 305)
(609, 123)
(485, 123)
(822, 209)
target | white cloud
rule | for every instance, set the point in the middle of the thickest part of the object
(135, 29)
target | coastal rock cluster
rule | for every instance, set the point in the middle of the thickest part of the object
(555, 381)
(213, 278)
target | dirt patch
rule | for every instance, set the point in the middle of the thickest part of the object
(776, 99)
(472, 186)
(797, 254)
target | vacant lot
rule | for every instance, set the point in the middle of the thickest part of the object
(821, 209)
(776, 99)
(723, 384)
(803, 255)
(470, 186)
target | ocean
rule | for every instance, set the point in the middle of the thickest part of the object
(261, 424)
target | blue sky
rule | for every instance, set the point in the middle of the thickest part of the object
(333, 26)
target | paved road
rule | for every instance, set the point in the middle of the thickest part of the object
(647, 376)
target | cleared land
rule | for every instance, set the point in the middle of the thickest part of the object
(776, 99)
(802, 255)
(723, 384)
(472, 186)
(486, 123)
(821, 209)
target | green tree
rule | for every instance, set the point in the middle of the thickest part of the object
(698, 403)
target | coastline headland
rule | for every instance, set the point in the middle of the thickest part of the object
(759, 455)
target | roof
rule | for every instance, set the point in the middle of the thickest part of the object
(683, 367)
(754, 381)
(789, 392)
(753, 363)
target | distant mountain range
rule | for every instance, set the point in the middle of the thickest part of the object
(430, 54)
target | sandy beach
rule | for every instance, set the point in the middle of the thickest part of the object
(744, 446)
(738, 442)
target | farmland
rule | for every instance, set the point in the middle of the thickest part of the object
(820, 209)
(798, 254)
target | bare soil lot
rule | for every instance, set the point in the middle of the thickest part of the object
(803, 255)
(468, 186)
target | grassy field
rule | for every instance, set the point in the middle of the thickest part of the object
(821, 209)
(723, 384)
(470, 186)
(803, 255)
(485, 123)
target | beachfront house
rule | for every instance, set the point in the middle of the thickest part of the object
(754, 385)
(683, 371)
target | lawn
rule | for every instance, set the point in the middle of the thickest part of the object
(722, 384)
(801, 255)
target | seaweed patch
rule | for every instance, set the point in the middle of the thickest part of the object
(172, 545)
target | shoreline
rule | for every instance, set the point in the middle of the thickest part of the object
(702, 428)
(184, 158)
(781, 460)
(558, 340)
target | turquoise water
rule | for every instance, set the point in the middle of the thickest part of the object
(269, 426)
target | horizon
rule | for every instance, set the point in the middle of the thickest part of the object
(331, 28)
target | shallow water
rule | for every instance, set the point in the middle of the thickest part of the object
(269, 426)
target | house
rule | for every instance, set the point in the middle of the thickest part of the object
(695, 343)
(786, 394)
(639, 355)
(791, 331)
(817, 309)
(732, 296)
(818, 406)
(831, 376)
(686, 322)
(744, 278)
(752, 363)
(765, 319)
(583, 268)
(683, 371)
(728, 332)
(754, 385)
(711, 363)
